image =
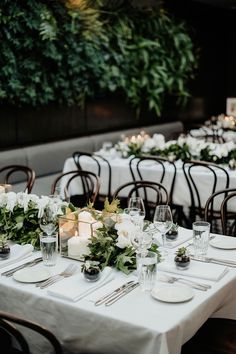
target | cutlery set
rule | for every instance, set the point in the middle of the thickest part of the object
(117, 294)
(10, 272)
(219, 261)
(193, 284)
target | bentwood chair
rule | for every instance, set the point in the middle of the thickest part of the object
(14, 342)
(96, 161)
(196, 174)
(18, 173)
(163, 171)
(152, 193)
(80, 187)
(221, 206)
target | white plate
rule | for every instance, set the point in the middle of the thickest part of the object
(173, 293)
(29, 275)
(224, 242)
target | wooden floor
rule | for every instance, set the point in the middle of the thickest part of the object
(216, 336)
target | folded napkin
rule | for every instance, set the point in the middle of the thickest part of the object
(76, 287)
(196, 269)
(183, 236)
(18, 252)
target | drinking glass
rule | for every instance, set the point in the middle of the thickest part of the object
(49, 246)
(201, 233)
(163, 221)
(146, 269)
(48, 222)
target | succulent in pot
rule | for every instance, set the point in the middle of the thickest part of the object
(4, 248)
(172, 234)
(91, 270)
(182, 258)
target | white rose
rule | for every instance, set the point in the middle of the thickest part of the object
(125, 231)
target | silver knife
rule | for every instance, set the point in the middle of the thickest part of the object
(114, 292)
(215, 261)
(120, 295)
(10, 272)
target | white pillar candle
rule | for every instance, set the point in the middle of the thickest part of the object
(78, 246)
(85, 220)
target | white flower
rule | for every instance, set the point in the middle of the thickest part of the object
(11, 201)
(125, 232)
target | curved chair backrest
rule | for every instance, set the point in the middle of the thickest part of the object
(153, 193)
(217, 179)
(140, 169)
(220, 205)
(86, 186)
(23, 173)
(96, 161)
(7, 322)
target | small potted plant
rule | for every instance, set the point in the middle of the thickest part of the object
(4, 248)
(172, 234)
(91, 270)
(182, 259)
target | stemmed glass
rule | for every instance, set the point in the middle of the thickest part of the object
(137, 208)
(48, 221)
(163, 221)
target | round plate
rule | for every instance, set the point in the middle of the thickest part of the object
(225, 243)
(173, 293)
(29, 275)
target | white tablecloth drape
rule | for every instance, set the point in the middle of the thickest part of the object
(121, 175)
(136, 324)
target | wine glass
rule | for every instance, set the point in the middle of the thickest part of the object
(137, 204)
(163, 221)
(48, 221)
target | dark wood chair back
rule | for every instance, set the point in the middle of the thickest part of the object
(23, 173)
(97, 163)
(152, 193)
(88, 187)
(11, 335)
(217, 179)
(221, 206)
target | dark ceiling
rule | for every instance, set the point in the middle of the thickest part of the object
(227, 4)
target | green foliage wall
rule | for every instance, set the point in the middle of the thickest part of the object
(63, 52)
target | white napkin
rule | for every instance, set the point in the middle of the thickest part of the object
(196, 269)
(76, 287)
(18, 252)
(183, 236)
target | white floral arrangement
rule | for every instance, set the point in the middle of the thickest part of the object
(184, 148)
(20, 214)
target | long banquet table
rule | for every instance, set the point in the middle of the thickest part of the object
(136, 324)
(121, 175)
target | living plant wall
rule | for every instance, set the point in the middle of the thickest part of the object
(65, 52)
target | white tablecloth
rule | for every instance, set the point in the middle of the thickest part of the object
(121, 175)
(136, 324)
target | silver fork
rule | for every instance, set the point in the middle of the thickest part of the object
(70, 270)
(193, 284)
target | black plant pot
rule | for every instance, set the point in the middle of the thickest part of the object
(92, 274)
(171, 235)
(5, 252)
(182, 262)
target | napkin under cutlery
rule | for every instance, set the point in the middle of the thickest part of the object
(76, 288)
(18, 252)
(213, 272)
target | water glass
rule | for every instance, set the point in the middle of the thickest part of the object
(201, 233)
(49, 246)
(146, 269)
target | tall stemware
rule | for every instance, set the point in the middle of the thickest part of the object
(163, 221)
(136, 203)
(48, 221)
